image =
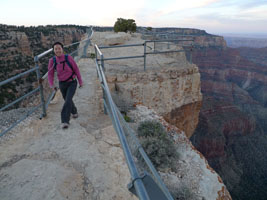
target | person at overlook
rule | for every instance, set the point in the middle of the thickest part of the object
(67, 74)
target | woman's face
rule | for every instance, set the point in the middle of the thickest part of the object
(58, 50)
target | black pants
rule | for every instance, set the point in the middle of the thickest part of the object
(68, 90)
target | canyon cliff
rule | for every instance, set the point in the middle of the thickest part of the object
(231, 132)
(232, 127)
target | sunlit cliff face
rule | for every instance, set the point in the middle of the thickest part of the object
(58, 50)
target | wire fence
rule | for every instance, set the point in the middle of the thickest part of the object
(41, 86)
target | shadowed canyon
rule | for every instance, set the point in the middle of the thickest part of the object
(232, 127)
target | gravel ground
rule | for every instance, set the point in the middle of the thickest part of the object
(12, 116)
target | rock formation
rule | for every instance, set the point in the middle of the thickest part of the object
(192, 178)
(231, 132)
(170, 85)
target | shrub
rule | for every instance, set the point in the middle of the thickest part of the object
(158, 146)
(125, 25)
(127, 118)
(183, 193)
(92, 55)
(150, 128)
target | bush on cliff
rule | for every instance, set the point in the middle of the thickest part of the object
(157, 144)
(125, 25)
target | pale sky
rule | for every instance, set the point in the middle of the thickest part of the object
(214, 16)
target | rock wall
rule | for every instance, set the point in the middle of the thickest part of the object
(173, 93)
(231, 132)
(169, 84)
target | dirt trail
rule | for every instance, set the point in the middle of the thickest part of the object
(85, 161)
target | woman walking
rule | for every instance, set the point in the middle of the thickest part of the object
(67, 73)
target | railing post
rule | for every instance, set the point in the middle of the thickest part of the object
(39, 79)
(191, 52)
(145, 56)
(96, 57)
(104, 94)
(102, 62)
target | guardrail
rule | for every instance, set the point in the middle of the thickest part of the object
(102, 59)
(44, 104)
(146, 186)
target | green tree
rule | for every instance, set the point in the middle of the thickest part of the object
(125, 25)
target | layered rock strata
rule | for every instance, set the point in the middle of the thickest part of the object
(231, 132)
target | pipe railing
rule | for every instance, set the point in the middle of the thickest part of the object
(44, 104)
(142, 184)
(102, 59)
(36, 69)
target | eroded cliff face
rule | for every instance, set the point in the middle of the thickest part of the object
(173, 93)
(231, 132)
(200, 38)
(256, 55)
(170, 85)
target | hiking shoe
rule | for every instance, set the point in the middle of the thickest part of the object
(64, 125)
(75, 115)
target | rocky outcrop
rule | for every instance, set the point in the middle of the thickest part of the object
(192, 177)
(173, 93)
(170, 85)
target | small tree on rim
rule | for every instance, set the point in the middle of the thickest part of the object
(125, 25)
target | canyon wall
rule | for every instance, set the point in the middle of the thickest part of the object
(231, 132)
(232, 127)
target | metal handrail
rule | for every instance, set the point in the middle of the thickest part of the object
(116, 117)
(102, 59)
(145, 157)
(118, 46)
(17, 76)
(40, 79)
(139, 186)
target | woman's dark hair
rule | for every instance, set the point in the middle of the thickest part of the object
(57, 43)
